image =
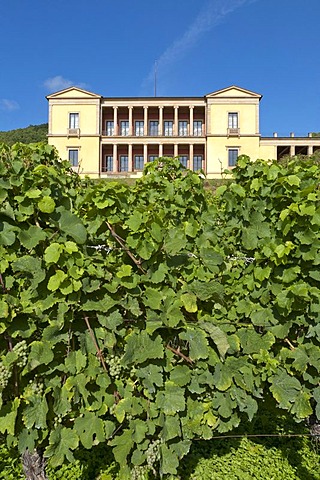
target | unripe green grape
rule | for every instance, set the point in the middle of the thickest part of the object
(21, 349)
(5, 375)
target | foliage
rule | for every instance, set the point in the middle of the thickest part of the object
(146, 317)
(31, 134)
(262, 458)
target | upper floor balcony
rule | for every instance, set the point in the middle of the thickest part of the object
(162, 121)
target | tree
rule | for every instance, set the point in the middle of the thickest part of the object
(31, 134)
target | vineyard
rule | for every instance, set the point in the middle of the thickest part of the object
(152, 316)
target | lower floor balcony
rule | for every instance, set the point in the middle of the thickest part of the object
(126, 159)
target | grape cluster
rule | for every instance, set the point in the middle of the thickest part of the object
(139, 473)
(57, 421)
(153, 455)
(114, 363)
(21, 349)
(36, 388)
(5, 375)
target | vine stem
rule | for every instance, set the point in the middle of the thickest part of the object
(180, 354)
(125, 248)
(99, 352)
(2, 284)
(289, 343)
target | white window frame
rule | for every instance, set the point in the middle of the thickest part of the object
(109, 128)
(73, 150)
(124, 128)
(123, 163)
(197, 128)
(74, 120)
(153, 128)
(184, 160)
(139, 128)
(183, 128)
(168, 128)
(138, 159)
(196, 158)
(231, 161)
(107, 163)
(233, 120)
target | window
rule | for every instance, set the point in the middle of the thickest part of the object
(110, 128)
(107, 163)
(197, 128)
(232, 156)
(124, 128)
(154, 128)
(168, 128)
(138, 162)
(151, 158)
(183, 128)
(197, 162)
(73, 120)
(139, 128)
(233, 120)
(73, 155)
(184, 160)
(123, 163)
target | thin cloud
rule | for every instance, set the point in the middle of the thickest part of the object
(54, 84)
(208, 18)
(8, 105)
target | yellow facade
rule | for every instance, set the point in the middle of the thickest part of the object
(113, 137)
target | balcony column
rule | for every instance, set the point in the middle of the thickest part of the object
(160, 120)
(115, 158)
(130, 120)
(191, 157)
(115, 120)
(191, 120)
(175, 128)
(310, 149)
(130, 162)
(160, 150)
(175, 150)
(292, 150)
(145, 121)
(145, 153)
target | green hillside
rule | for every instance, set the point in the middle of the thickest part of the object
(31, 134)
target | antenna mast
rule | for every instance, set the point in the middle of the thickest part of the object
(155, 77)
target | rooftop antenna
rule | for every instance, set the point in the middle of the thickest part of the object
(155, 77)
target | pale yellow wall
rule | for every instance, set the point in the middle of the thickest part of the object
(217, 151)
(89, 152)
(88, 118)
(218, 118)
(268, 152)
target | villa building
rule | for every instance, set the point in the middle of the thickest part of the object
(111, 137)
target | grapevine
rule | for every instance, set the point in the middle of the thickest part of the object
(150, 316)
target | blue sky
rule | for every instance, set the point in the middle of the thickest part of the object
(110, 47)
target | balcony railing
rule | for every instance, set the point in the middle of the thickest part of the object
(233, 132)
(73, 132)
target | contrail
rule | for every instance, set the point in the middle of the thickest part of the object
(209, 17)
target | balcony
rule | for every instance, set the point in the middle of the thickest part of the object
(73, 132)
(233, 132)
